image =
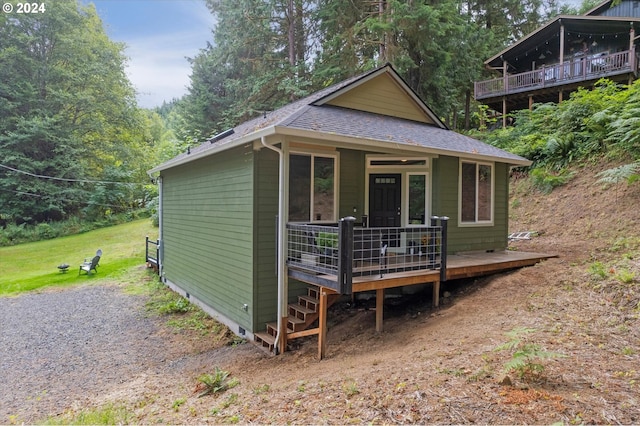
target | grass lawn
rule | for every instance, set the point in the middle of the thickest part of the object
(32, 266)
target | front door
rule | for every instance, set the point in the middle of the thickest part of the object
(384, 200)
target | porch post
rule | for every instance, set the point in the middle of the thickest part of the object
(379, 309)
(506, 90)
(283, 276)
(436, 294)
(322, 324)
(561, 50)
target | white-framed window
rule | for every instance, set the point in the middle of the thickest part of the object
(312, 187)
(476, 193)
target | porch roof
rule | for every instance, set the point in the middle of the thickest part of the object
(312, 117)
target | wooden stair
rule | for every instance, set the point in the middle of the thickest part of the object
(301, 316)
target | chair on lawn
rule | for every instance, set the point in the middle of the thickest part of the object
(89, 265)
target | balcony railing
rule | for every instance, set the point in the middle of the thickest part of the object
(575, 70)
(152, 253)
(344, 251)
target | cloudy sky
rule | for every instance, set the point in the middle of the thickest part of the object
(160, 35)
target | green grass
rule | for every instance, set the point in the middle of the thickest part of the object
(33, 266)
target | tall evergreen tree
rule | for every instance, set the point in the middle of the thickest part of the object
(65, 104)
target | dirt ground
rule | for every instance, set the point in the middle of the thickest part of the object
(441, 366)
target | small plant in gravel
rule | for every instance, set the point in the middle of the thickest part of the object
(261, 389)
(217, 382)
(625, 276)
(177, 403)
(350, 388)
(527, 356)
(597, 270)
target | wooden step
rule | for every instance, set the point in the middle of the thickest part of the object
(295, 324)
(272, 328)
(309, 302)
(299, 311)
(313, 292)
(265, 340)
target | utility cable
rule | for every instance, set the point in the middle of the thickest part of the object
(68, 179)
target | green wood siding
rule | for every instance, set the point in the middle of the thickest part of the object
(266, 183)
(352, 166)
(382, 95)
(207, 231)
(445, 203)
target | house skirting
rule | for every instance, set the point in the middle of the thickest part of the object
(233, 326)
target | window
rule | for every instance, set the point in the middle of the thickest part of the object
(311, 199)
(417, 199)
(476, 192)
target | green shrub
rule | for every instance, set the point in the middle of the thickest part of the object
(545, 180)
(45, 231)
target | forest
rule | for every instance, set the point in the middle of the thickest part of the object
(75, 146)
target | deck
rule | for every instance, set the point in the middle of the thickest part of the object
(574, 72)
(458, 266)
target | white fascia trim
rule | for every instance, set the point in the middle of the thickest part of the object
(215, 149)
(392, 147)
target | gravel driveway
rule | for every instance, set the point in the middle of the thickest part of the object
(59, 348)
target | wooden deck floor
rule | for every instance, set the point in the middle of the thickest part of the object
(458, 266)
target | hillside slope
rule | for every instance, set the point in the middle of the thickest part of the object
(441, 365)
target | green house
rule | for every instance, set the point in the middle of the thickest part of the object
(366, 148)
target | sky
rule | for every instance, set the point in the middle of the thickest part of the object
(159, 35)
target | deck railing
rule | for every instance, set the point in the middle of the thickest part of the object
(345, 251)
(577, 69)
(152, 253)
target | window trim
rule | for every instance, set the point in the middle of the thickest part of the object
(336, 179)
(476, 222)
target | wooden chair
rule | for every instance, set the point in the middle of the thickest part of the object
(89, 265)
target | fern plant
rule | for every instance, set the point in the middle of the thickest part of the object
(627, 172)
(216, 382)
(526, 358)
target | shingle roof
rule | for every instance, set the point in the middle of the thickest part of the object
(326, 119)
(369, 126)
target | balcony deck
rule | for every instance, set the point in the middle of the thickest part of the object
(458, 266)
(574, 72)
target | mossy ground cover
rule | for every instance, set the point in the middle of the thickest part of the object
(33, 266)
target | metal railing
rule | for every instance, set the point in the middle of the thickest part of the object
(576, 69)
(152, 253)
(346, 251)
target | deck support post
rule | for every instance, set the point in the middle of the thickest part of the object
(322, 324)
(436, 294)
(379, 309)
(282, 336)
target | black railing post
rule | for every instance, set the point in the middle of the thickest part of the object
(345, 249)
(146, 248)
(444, 220)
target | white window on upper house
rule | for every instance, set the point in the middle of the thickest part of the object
(312, 188)
(476, 193)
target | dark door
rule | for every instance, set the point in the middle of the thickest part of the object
(384, 200)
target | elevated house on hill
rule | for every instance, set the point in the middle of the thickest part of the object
(358, 187)
(566, 53)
